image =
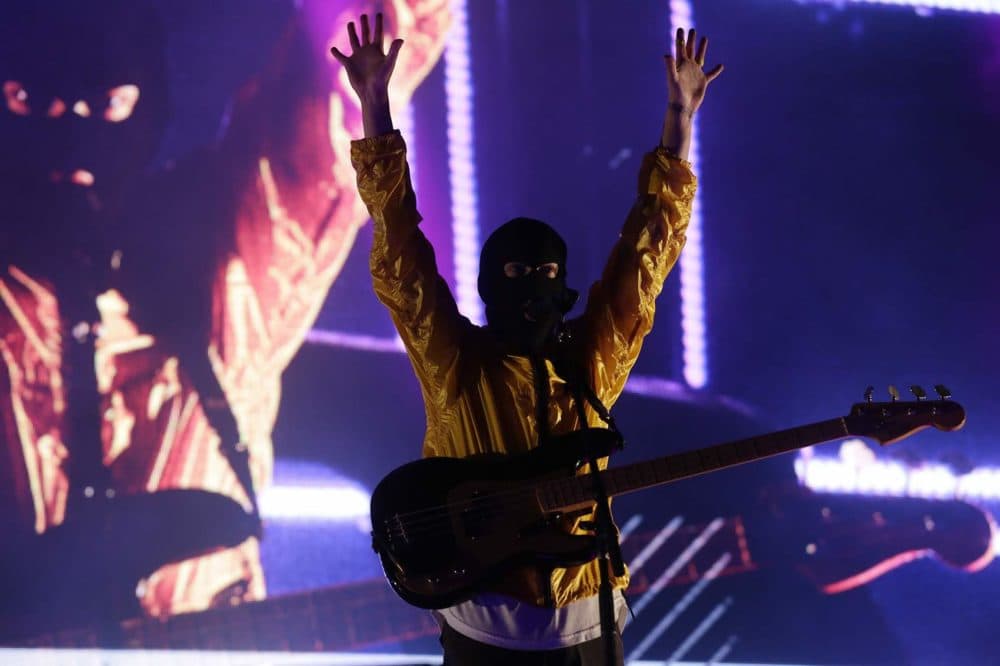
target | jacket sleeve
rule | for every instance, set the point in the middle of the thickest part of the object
(404, 270)
(620, 306)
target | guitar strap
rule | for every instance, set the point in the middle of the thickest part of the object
(540, 373)
(581, 389)
(220, 416)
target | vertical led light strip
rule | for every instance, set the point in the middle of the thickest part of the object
(693, 342)
(462, 163)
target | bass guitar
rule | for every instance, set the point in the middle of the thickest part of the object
(445, 527)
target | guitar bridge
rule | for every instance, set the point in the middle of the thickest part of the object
(397, 528)
(393, 533)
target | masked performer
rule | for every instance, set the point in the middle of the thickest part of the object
(503, 388)
(146, 315)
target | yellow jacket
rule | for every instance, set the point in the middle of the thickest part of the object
(479, 399)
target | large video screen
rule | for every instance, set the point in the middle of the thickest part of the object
(200, 390)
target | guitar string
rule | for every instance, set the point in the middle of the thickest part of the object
(439, 526)
(438, 518)
(419, 519)
(546, 487)
(670, 473)
(440, 513)
(431, 514)
(678, 472)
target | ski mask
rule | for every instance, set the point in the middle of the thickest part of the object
(84, 106)
(84, 95)
(522, 281)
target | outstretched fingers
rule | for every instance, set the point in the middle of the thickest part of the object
(671, 66)
(685, 50)
(394, 51)
(366, 31)
(702, 49)
(378, 30)
(393, 54)
(368, 37)
(352, 35)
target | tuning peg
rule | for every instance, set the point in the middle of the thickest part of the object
(893, 393)
(869, 392)
(942, 391)
(918, 392)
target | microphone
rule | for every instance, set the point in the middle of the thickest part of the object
(543, 308)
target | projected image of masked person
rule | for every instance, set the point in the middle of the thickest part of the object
(128, 287)
(500, 388)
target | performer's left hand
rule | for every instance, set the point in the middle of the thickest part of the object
(686, 79)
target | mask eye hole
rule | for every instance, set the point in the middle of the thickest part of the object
(549, 270)
(16, 97)
(81, 108)
(516, 269)
(121, 103)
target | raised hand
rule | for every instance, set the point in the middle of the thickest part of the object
(687, 82)
(686, 79)
(368, 67)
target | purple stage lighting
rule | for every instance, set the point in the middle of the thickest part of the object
(461, 163)
(692, 268)
(890, 478)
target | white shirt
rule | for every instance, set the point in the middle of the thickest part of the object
(505, 622)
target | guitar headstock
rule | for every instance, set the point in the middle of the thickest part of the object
(889, 422)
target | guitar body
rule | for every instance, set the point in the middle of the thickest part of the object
(444, 527)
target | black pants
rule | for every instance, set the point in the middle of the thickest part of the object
(460, 650)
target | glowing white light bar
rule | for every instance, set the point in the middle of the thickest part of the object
(890, 478)
(333, 502)
(973, 6)
(723, 651)
(678, 608)
(354, 341)
(630, 526)
(462, 164)
(670, 572)
(700, 630)
(693, 340)
(655, 544)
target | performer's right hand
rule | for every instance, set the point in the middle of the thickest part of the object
(368, 67)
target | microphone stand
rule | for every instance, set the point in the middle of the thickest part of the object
(610, 554)
(606, 535)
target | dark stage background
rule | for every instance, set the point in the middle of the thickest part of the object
(848, 180)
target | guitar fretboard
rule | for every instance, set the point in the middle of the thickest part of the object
(576, 492)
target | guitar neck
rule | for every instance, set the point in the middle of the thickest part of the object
(576, 492)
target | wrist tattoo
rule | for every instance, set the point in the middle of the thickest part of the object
(680, 109)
